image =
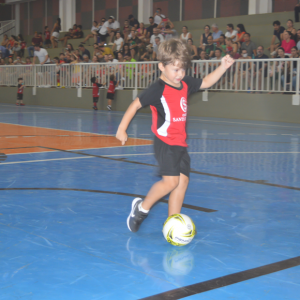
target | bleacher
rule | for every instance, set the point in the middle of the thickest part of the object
(259, 26)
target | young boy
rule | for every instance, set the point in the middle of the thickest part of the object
(111, 91)
(20, 92)
(96, 87)
(167, 98)
(47, 37)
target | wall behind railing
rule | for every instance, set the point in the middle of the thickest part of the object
(5, 11)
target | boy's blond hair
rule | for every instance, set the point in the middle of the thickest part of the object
(174, 50)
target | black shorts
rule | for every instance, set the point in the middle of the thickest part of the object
(172, 160)
(47, 42)
(95, 99)
(19, 96)
(110, 96)
(103, 37)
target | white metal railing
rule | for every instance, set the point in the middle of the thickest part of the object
(7, 27)
(260, 75)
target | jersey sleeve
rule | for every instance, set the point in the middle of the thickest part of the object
(152, 95)
(193, 84)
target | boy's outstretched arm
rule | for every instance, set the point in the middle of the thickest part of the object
(214, 76)
(128, 116)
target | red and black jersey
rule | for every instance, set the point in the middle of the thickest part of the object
(47, 35)
(96, 89)
(20, 90)
(112, 86)
(169, 108)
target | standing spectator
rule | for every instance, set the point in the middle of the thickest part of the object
(194, 51)
(111, 91)
(151, 27)
(278, 33)
(133, 22)
(47, 35)
(109, 28)
(216, 33)
(158, 16)
(297, 11)
(84, 51)
(262, 69)
(287, 43)
(249, 45)
(204, 36)
(34, 41)
(55, 33)
(155, 34)
(118, 44)
(240, 33)
(155, 47)
(94, 33)
(41, 54)
(20, 92)
(185, 35)
(231, 33)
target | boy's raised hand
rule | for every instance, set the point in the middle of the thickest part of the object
(122, 136)
(227, 61)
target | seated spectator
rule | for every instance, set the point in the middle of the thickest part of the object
(22, 44)
(297, 11)
(133, 22)
(97, 51)
(150, 28)
(47, 35)
(200, 68)
(244, 68)
(141, 50)
(62, 58)
(142, 32)
(86, 59)
(230, 44)
(134, 42)
(13, 45)
(290, 28)
(28, 61)
(240, 34)
(155, 34)
(249, 45)
(5, 40)
(287, 43)
(18, 61)
(79, 33)
(231, 33)
(222, 44)
(149, 52)
(104, 50)
(3, 47)
(155, 48)
(35, 40)
(126, 50)
(109, 28)
(218, 54)
(10, 61)
(94, 33)
(210, 47)
(126, 30)
(262, 69)
(169, 33)
(204, 36)
(194, 51)
(162, 25)
(216, 33)
(230, 50)
(185, 35)
(278, 33)
(158, 16)
(41, 54)
(84, 51)
(293, 65)
(118, 44)
(55, 33)
(298, 39)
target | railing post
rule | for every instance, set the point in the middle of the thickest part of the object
(34, 81)
(135, 91)
(79, 90)
(296, 97)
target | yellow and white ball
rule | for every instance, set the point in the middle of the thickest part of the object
(179, 230)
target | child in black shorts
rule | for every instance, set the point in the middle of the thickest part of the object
(96, 87)
(167, 98)
(20, 92)
(111, 91)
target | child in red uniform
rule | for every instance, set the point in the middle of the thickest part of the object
(96, 87)
(47, 37)
(167, 98)
(20, 92)
(111, 91)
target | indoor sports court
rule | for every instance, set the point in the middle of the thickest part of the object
(67, 187)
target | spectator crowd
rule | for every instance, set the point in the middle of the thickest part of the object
(135, 41)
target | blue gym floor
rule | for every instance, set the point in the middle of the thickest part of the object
(63, 232)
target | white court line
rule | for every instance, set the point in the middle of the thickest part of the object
(32, 161)
(67, 130)
(270, 133)
(10, 137)
(74, 149)
(223, 133)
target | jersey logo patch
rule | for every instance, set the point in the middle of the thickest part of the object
(183, 104)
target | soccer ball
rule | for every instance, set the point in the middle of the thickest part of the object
(179, 230)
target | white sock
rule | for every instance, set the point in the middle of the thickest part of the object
(142, 210)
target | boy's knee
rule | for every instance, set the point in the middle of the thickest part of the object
(184, 180)
(171, 181)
